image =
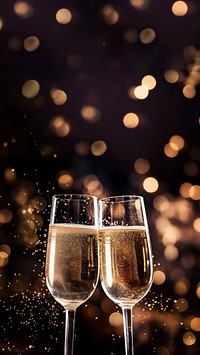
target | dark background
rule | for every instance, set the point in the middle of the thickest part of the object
(91, 60)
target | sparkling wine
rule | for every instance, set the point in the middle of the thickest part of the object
(126, 269)
(72, 263)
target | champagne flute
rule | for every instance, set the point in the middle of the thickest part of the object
(72, 266)
(125, 256)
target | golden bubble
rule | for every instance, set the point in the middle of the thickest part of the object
(23, 9)
(131, 120)
(98, 148)
(116, 319)
(149, 82)
(159, 277)
(3, 261)
(147, 35)
(90, 113)
(31, 43)
(181, 305)
(189, 338)
(150, 184)
(30, 89)
(63, 16)
(179, 8)
(171, 76)
(58, 96)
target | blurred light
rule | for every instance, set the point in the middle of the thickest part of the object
(179, 8)
(195, 324)
(90, 113)
(98, 148)
(171, 76)
(181, 305)
(149, 82)
(10, 175)
(147, 35)
(1, 24)
(190, 168)
(15, 44)
(82, 148)
(30, 89)
(110, 15)
(23, 9)
(31, 43)
(171, 252)
(184, 189)
(63, 16)
(189, 338)
(196, 224)
(189, 53)
(188, 261)
(116, 319)
(107, 305)
(131, 36)
(5, 215)
(189, 91)
(131, 120)
(169, 151)
(159, 277)
(6, 249)
(161, 203)
(162, 350)
(178, 141)
(60, 126)
(65, 180)
(59, 97)
(142, 165)
(194, 192)
(198, 290)
(141, 92)
(150, 184)
(74, 61)
(181, 288)
(140, 4)
(39, 203)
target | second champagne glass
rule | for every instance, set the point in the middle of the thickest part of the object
(72, 267)
(125, 256)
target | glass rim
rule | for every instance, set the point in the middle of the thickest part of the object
(120, 198)
(74, 197)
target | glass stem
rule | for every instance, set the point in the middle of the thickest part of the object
(69, 331)
(128, 330)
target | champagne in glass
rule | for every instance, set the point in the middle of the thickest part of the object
(72, 266)
(125, 256)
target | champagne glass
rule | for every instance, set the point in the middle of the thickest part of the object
(72, 266)
(125, 256)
